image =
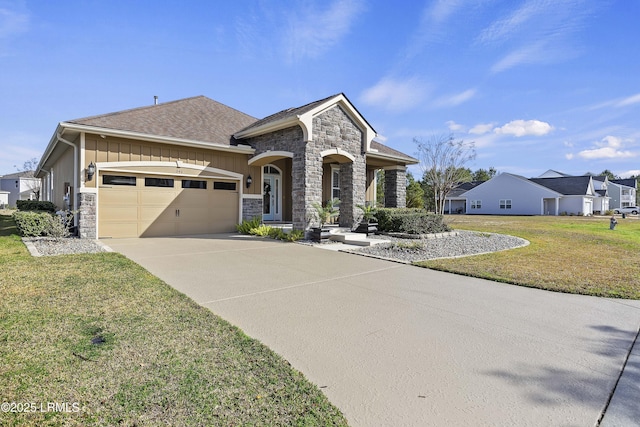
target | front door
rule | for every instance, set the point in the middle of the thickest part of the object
(272, 198)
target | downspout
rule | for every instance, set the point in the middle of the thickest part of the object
(75, 173)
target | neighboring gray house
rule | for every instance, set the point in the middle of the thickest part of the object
(509, 194)
(20, 186)
(622, 192)
(456, 202)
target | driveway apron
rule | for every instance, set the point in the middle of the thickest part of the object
(397, 345)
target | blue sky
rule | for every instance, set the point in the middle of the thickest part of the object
(535, 84)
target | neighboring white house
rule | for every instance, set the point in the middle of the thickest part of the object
(4, 199)
(20, 186)
(509, 194)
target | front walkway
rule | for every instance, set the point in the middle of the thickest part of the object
(395, 345)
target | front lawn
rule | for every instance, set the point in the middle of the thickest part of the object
(111, 344)
(567, 254)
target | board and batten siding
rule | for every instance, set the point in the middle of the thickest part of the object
(112, 149)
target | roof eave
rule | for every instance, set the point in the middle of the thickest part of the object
(157, 138)
(383, 156)
(268, 127)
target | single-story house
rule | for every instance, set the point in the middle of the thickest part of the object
(509, 194)
(20, 186)
(455, 201)
(197, 166)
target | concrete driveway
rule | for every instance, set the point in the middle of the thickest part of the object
(397, 345)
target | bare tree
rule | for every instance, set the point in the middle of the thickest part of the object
(28, 171)
(442, 160)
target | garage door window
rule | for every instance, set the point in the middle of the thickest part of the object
(158, 182)
(192, 183)
(219, 185)
(118, 180)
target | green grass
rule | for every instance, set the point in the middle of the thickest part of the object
(164, 360)
(566, 254)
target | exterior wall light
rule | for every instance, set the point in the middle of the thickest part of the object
(91, 170)
(249, 181)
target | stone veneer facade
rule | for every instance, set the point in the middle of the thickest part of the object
(335, 129)
(395, 187)
(331, 129)
(251, 208)
(87, 225)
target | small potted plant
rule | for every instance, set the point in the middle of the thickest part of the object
(369, 222)
(324, 215)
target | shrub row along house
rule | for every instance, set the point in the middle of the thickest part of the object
(553, 193)
(197, 166)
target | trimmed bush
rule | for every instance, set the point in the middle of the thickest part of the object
(410, 221)
(35, 205)
(32, 224)
(36, 224)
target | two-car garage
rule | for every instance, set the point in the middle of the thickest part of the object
(147, 205)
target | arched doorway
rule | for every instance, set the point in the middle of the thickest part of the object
(271, 193)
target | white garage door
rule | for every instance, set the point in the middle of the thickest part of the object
(131, 205)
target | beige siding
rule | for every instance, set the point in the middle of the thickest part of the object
(113, 149)
(63, 173)
(370, 195)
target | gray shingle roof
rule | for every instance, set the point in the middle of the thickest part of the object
(197, 119)
(390, 151)
(289, 112)
(629, 182)
(567, 185)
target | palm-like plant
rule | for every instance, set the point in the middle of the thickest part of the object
(326, 212)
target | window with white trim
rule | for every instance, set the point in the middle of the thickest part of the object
(476, 204)
(505, 204)
(335, 182)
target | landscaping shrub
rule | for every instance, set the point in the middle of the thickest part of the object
(261, 230)
(35, 205)
(35, 224)
(248, 224)
(32, 224)
(410, 221)
(255, 227)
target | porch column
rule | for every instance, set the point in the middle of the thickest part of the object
(395, 187)
(353, 186)
(306, 171)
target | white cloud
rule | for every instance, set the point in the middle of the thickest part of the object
(630, 173)
(456, 99)
(618, 102)
(311, 32)
(524, 128)
(569, 156)
(395, 95)
(629, 101)
(481, 128)
(12, 22)
(538, 32)
(610, 147)
(507, 26)
(455, 127)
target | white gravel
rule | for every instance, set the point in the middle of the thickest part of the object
(461, 243)
(48, 246)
